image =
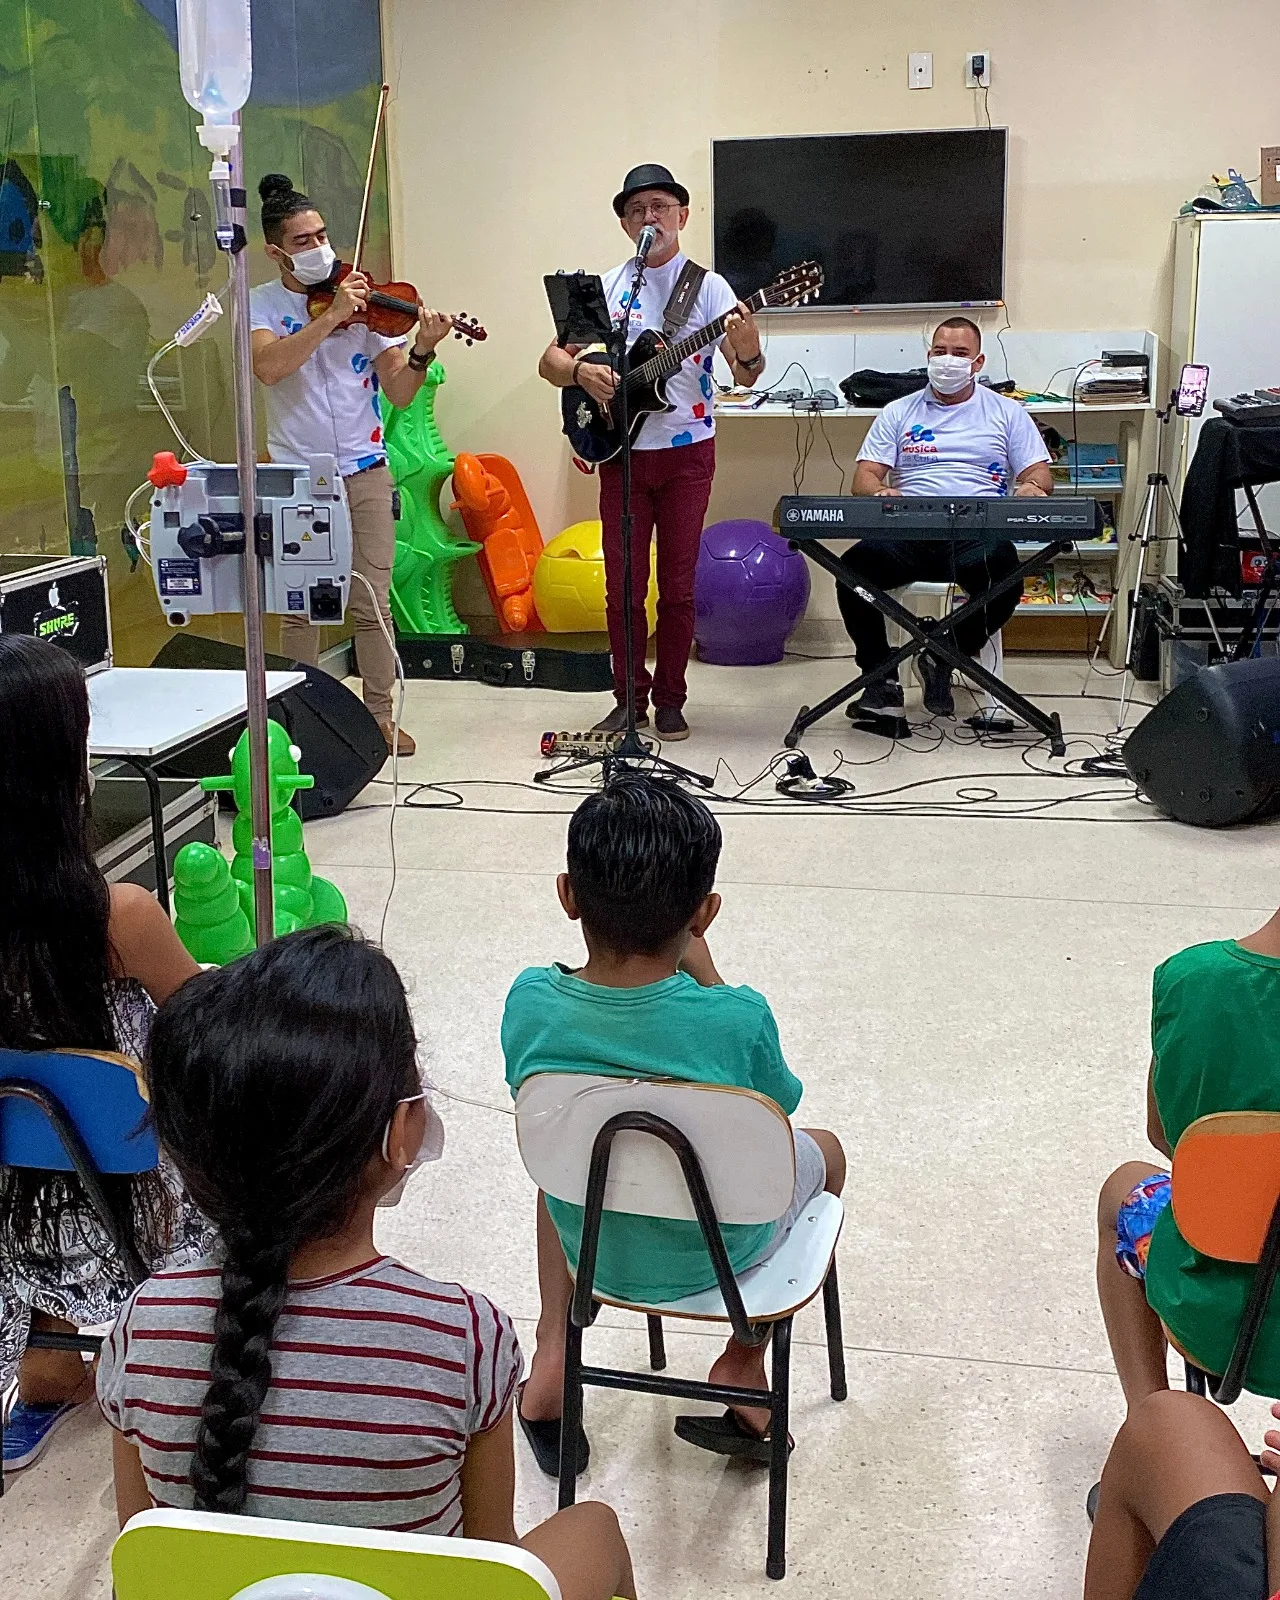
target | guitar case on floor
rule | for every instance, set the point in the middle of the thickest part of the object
(576, 662)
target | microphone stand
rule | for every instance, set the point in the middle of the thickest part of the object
(633, 754)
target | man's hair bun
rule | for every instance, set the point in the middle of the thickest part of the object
(280, 201)
(274, 183)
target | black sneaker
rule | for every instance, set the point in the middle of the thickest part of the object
(616, 721)
(935, 675)
(669, 723)
(881, 699)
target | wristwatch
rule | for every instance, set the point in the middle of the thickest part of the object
(420, 361)
(756, 360)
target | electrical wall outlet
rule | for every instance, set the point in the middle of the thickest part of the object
(920, 69)
(977, 69)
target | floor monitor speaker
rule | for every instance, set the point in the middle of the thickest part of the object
(1209, 752)
(342, 746)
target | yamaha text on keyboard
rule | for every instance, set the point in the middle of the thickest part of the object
(819, 516)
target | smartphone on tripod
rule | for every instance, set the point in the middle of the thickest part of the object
(1192, 391)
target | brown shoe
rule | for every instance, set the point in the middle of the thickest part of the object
(406, 746)
(670, 724)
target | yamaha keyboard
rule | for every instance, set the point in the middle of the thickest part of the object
(969, 518)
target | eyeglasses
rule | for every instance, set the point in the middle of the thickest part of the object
(655, 208)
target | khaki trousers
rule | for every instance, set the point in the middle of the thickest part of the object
(373, 535)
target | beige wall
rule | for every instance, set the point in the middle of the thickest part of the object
(508, 137)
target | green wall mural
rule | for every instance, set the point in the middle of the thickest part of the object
(106, 247)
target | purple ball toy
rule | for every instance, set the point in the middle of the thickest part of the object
(750, 590)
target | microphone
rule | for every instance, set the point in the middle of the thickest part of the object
(646, 241)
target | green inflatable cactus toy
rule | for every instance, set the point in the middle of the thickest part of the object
(201, 886)
(426, 547)
(209, 920)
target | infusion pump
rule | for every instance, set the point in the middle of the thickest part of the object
(197, 539)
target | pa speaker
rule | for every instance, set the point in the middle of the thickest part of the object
(1209, 753)
(342, 746)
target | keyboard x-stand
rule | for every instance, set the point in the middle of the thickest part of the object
(808, 520)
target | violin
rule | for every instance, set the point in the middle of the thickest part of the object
(391, 309)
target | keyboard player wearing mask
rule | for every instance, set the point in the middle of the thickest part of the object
(953, 437)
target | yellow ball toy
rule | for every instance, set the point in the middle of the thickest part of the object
(568, 582)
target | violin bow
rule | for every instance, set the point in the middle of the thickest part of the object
(368, 179)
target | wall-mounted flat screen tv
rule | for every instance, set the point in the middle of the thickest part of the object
(895, 219)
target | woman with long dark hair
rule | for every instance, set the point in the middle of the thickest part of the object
(82, 966)
(298, 1372)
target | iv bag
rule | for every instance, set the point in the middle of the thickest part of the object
(214, 56)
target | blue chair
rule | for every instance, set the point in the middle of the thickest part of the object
(78, 1111)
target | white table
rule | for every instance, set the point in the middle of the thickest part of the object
(138, 714)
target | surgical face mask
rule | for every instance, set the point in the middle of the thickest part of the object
(314, 265)
(431, 1148)
(950, 374)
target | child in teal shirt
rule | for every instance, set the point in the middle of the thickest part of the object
(642, 859)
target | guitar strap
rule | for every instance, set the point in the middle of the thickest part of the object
(683, 298)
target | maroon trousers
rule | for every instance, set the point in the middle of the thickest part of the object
(669, 491)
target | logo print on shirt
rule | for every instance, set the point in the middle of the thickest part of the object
(682, 438)
(998, 476)
(359, 363)
(699, 411)
(918, 441)
(290, 326)
(707, 387)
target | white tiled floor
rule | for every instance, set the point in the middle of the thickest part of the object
(964, 995)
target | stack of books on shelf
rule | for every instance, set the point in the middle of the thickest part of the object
(1112, 383)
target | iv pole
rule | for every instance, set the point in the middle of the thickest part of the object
(227, 179)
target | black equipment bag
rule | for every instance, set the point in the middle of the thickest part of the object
(867, 387)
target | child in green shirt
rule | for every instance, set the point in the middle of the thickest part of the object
(641, 866)
(1215, 1039)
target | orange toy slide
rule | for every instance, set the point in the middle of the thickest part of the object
(500, 519)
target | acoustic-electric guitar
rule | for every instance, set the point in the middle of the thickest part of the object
(593, 429)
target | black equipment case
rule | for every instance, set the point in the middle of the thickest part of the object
(62, 599)
(569, 661)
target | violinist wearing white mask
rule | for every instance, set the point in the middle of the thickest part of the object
(321, 378)
(953, 437)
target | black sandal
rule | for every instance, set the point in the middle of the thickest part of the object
(544, 1441)
(727, 1435)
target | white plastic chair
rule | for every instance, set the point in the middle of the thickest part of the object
(705, 1153)
(195, 1555)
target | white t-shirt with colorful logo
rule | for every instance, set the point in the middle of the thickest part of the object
(979, 447)
(329, 406)
(690, 389)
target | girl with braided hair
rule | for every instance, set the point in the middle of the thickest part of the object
(297, 1371)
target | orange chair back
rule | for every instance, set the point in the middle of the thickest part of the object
(1226, 1179)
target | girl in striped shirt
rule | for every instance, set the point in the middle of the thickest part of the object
(297, 1372)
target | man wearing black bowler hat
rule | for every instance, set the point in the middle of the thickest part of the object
(674, 454)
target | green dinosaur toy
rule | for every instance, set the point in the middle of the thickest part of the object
(301, 899)
(210, 920)
(426, 547)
